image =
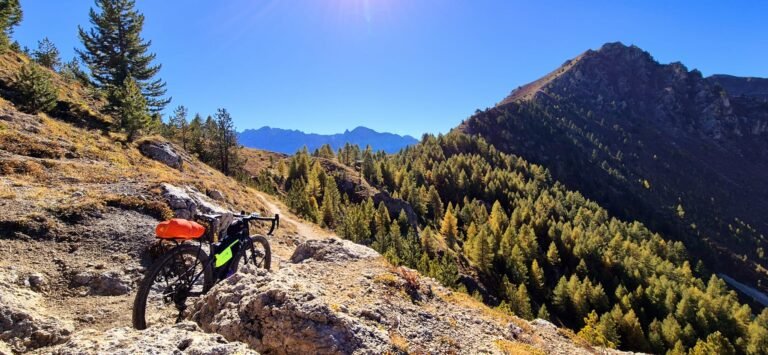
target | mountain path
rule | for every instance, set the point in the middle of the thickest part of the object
(304, 229)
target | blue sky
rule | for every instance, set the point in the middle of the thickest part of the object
(403, 66)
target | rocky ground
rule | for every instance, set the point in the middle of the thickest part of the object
(323, 296)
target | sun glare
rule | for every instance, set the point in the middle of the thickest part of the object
(368, 11)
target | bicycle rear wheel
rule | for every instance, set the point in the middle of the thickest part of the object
(169, 285)
(257, 252)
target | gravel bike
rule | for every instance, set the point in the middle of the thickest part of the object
(187, 271)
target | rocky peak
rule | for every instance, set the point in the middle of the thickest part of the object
(623, 83)
(736, 86)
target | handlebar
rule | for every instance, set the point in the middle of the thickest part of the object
(257, 217)
(247, 218)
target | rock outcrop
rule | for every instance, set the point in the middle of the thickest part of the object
(182, 338)
(332, 249)
(273, 314)
(336, 298)
(24, 325)
(187, 201)
(110, 283)
(162, 152)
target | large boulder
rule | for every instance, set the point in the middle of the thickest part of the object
(182, 338)
(186, 201)
(272, 315)
(162, 152)
(333, 250)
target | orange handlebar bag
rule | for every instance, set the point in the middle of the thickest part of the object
(179, 229)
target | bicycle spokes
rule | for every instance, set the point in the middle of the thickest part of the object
(174, 285)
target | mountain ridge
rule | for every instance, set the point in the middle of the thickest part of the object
(650, 141)
(289, 141)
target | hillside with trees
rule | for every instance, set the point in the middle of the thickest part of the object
(502, 229)
(657, 143)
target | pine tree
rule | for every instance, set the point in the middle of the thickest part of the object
(537, 277)
(609, 330)
(47, 54)
(331, 206)
(592, 333)
(226, 146)
(354, 225)
(449, 227)
(209, 135)
(10, 17)
(325, 151)
(382, 220)
(508, 242)
(114, 51)
(758, 333)
(553, 256)
(522, 303)
(368, 168)
(516, 265)
(671, 330)
(561, 298)
(423, 265)
(716, 343)
(302, 203)
(526, 238)
(315, 179)
(581, 268)
(447, 272)
(196, 145)
(73, 71)
(180, 126)
(479, 249)
(435, 205)
(543, 313)
(131, 109)
(678, 349)
(498, 221)
(632, 332)
(36, 92)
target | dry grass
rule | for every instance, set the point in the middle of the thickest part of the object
(387, 279)
(7, 192)
(27, 145)
(259, 160)
(35, 225)
(515, 348)
(79, 211)
(71, 149)
(157, 209)
(464, 300)
(29, 168)
(579, 341)
(399, 342)
(75, 100)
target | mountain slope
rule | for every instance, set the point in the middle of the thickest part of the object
(738, 86)
(653, 142)
(290, 141)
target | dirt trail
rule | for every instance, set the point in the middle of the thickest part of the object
(302, 228)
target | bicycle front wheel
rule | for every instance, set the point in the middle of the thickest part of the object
(257, 253)
(170, 285)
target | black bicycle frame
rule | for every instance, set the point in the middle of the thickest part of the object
(226, 254)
